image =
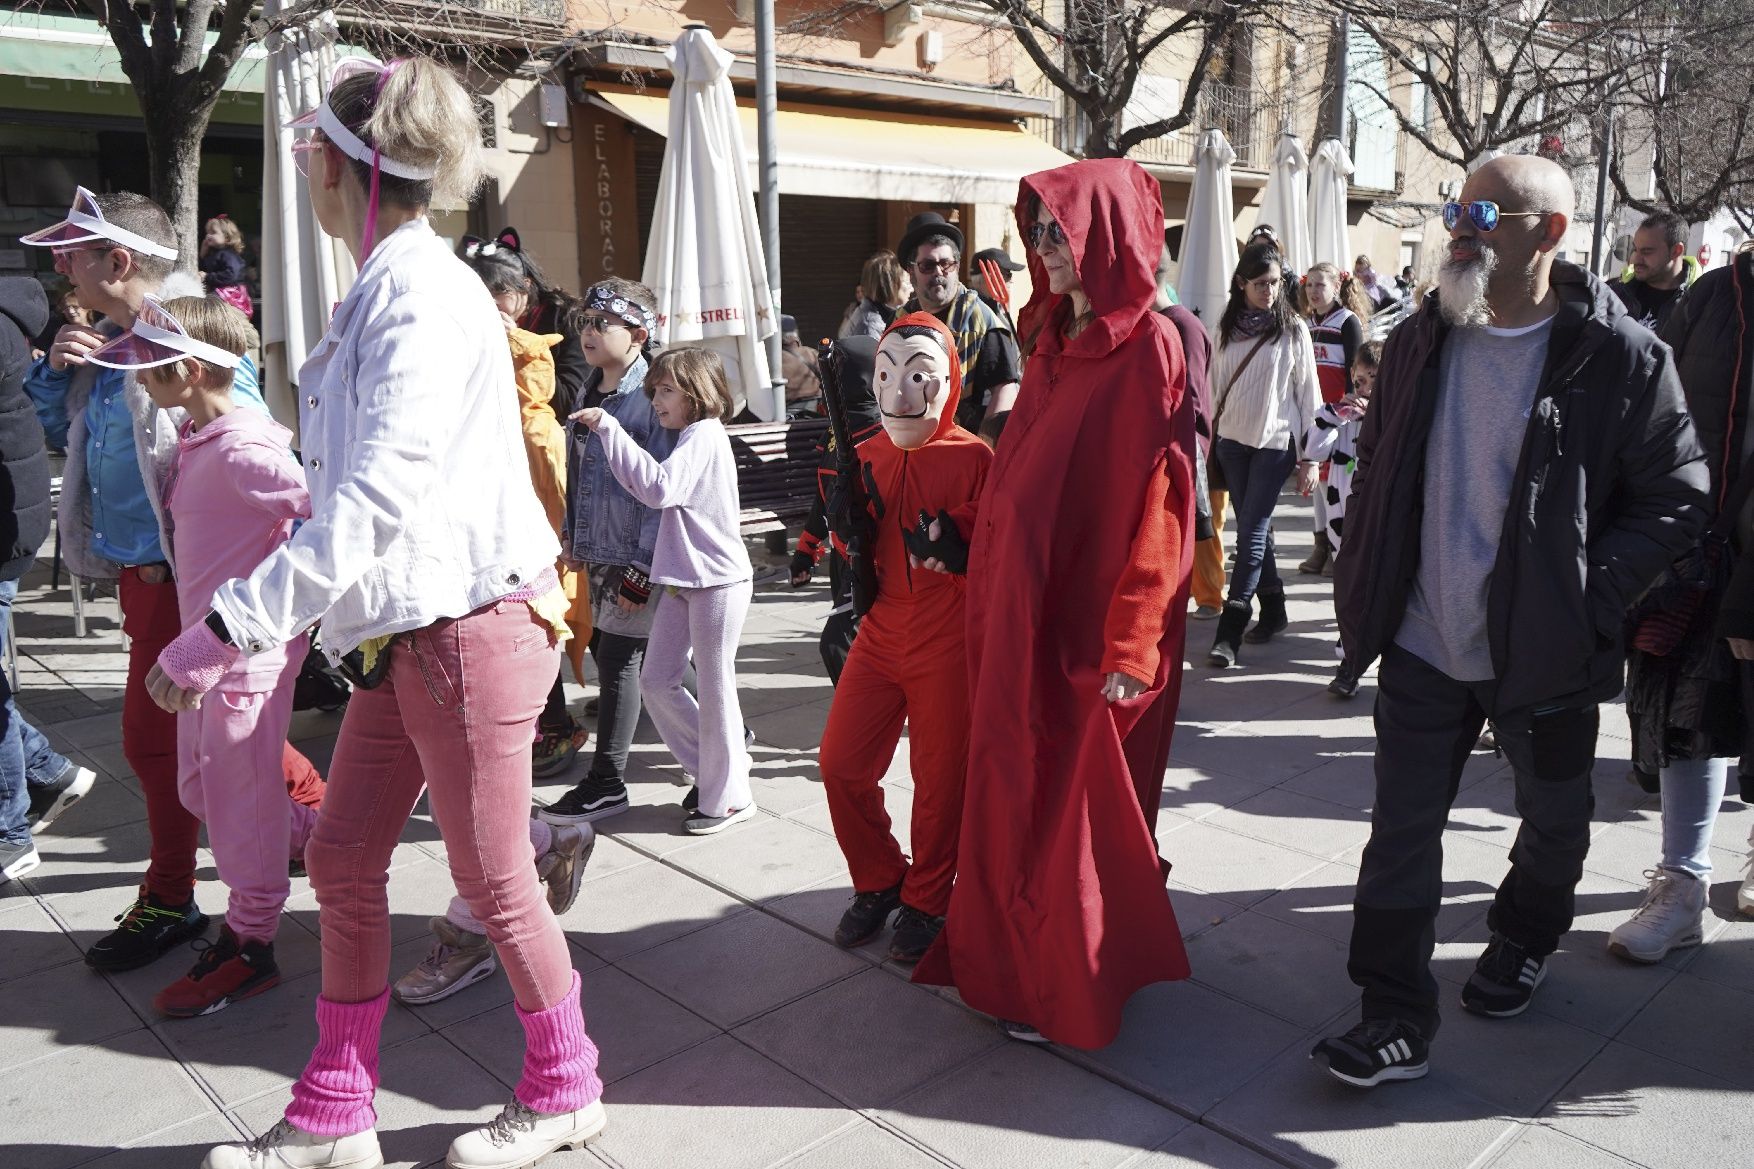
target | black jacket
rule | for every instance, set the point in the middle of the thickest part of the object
(1714, 348)
(1610, 487)
(24, 461)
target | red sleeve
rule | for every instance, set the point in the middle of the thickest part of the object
(1139, 610)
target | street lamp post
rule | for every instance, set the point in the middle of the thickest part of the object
(768, 193)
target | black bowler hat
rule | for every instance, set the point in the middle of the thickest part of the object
(921, 228)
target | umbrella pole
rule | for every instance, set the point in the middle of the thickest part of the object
(768, 198)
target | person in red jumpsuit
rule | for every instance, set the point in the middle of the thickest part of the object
(1078, 556)
(909, 662)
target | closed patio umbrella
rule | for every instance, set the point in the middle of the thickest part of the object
(704, 260)
(1285, 204)
(305, 273)
(1209, 239)
(1328, 234)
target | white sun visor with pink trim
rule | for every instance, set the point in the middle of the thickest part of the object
(352, 145)
(85, 222)
(157, 338)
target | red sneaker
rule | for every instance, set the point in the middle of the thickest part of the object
(226, 971)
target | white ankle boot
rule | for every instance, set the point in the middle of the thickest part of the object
(1671, 917)
(287, 1147)
(518, 1137)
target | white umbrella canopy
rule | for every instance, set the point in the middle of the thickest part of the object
(1209, 239)
(704, 260)
(1285, 204)
(1329, 237)
(305, 273)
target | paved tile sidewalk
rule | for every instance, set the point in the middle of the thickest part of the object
(735, 1036)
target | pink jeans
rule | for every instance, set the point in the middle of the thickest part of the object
(231, 774)
(455, 714)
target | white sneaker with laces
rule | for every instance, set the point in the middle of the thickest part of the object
(286, 1146)
(519, 1137)
(1671, 917)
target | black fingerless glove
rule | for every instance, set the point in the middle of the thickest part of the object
(636, 586)
(949, 547)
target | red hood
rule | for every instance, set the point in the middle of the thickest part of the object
(947, 418)
(1112, 214)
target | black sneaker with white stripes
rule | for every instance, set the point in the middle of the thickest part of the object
(1374, 1051)
(1504, 980)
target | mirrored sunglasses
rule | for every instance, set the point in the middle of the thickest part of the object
(1484, 214)
(1055, 234)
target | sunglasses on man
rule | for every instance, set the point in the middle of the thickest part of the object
(1484, 214)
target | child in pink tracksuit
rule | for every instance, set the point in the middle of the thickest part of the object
(232, 496)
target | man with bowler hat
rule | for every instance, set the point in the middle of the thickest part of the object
(931, 251)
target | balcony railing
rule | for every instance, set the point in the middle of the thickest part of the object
(1248, 117)
(465, 19)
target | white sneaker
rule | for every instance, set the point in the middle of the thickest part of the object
(701, 825)
(1671, 917)
(518, 1137)
(1745, 895)
(288, 1147)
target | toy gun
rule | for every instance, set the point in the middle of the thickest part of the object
(853, 499)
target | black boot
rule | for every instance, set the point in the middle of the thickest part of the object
(1225, 645)
(1273, 619)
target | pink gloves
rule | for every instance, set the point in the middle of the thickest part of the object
(197, 660)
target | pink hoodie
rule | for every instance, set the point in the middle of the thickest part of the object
(232, 496)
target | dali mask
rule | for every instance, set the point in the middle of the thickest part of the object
(912, 384)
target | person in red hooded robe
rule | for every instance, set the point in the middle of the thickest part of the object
(1078, 552)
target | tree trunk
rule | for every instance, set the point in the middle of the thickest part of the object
(173, 155)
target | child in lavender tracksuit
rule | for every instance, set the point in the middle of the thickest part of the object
(231, 499)
(704, 577)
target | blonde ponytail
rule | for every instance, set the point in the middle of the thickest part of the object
(419, 114)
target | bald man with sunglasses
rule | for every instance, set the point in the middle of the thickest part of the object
(1526, 470)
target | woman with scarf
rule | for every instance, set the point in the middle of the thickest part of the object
(1083, 541)
(428, 552)
(1265, 393)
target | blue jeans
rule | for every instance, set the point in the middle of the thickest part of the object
(1254, 476)
(1692, 791)
(25, 756)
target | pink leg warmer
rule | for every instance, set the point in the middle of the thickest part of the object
(560, 1061)
(334, 1096)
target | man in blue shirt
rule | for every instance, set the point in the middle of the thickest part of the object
(115, 250)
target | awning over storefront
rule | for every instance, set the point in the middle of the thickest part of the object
(863, 154)
(69, 48)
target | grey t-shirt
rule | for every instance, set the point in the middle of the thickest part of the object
(1487, 382)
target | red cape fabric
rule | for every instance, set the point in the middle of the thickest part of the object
(1059, 912)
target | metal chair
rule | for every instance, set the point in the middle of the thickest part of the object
(55, 563)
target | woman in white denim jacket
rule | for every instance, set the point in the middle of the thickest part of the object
(426, 544)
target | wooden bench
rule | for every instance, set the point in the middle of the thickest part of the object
(776, 471)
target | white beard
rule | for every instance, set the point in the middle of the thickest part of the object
(1461, 289)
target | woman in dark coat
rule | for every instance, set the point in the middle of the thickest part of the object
(1689, 702)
